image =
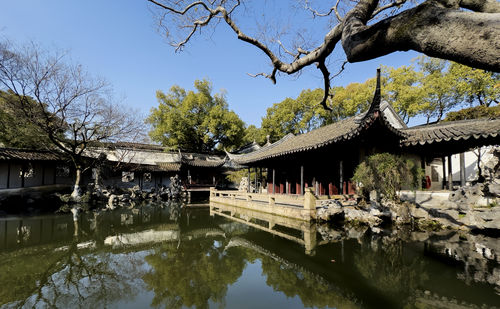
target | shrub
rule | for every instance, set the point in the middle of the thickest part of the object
(386, 174)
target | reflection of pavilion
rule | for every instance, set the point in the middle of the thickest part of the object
(301, 232)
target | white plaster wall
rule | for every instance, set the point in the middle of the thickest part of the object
(471, 170)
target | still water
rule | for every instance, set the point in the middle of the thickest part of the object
(219, 257)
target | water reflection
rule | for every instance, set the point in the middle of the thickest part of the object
(165, 256)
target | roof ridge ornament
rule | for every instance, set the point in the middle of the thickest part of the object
(375, 106)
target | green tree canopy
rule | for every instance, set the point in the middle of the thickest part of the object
(430, 88)
(402, 90)
(480, 111)
(195, 120)
(252, 133)
(436, 87)
(351, 100)
(296, 116)
(15, 130)
(304, 114)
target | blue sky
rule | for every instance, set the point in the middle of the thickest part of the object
(118, 40)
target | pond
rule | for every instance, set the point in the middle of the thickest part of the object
(216, 257)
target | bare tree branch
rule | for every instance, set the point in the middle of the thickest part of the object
(435, 27)
(271, 76)
(326, 79)
(315, 13)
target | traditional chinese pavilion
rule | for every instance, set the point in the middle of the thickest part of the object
(325, 158)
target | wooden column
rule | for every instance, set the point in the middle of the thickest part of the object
(287, 189)
(43, 173)
(8, 176)
(22, 176)
(302, 179)
(260, 178)
(422, 166)
(443, 185)
(248, 186)
(462, 169)
(450, 174)
(256, 183)
(341, 177)
(274, 181)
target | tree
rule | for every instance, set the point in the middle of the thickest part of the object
(195, 121)
(480, 111)
(463, 31)
(254, 134)
(402, 89)
(439, 87)
(294, 115)
(431, 88)
(351, 100)
(15, 131)
(71, 108)
(304, 114)
(479, 87)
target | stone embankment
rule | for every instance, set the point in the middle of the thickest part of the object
(113, 197)
(469, 208)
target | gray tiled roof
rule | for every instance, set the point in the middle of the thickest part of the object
(202, 160)
(349, 128)
(342, 130)
(452, 130)
(329, 134)
(29, 155)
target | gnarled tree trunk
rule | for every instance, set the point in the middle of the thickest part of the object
(76, 187)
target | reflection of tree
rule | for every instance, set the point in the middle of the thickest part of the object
(313, 290)
(67, 276)
(19, 273)
(390, 270)
(193, 274)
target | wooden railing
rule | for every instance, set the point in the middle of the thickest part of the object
(271, 199)
(294, 206)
